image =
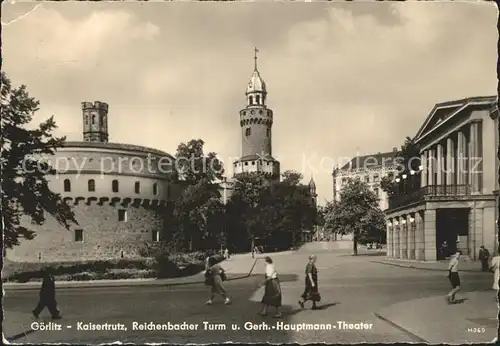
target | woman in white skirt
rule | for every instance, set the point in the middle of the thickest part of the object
(495, 267)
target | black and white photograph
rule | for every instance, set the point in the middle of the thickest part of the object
(250, 172)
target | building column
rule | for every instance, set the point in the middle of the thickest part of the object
(411, 237)
(461, 159)
(450, 162)
(403, 235)
(419, 237)
(396, 237)
(473, 159)
(439, 165)
(430, 164)
(423, 162)
(389, 238)
(430, 235)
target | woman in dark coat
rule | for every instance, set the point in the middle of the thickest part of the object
(311, 291)
(216, 276)
(272, 293)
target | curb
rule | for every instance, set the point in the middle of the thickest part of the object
(404, 330)
(420, 268)
(96, 284)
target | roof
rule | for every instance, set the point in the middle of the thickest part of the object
(444, 110)
(115, 146)
(255, 157)
(371, 161)
(256, 83)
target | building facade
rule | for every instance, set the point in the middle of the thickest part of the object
(451, 203)
(118, 193)
(256, 122)
(369, 169)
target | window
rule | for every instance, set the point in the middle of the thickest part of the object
(101, 120)
(367, 178)
(79, 235)
(375, 178)
(91, 185)
(155, 189)
(376, 192)
(122, 215)
(344, 180)
(137, 187)
(93, 119)
(86, 119)
(257, 99)
(246, 163)
(251, 100)
(390, 175)
(156, 235)
(67, 185)
(268, 133)
(253, 163)
(114, 185)
(248, 131)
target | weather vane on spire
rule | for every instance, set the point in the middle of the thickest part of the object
(255, 51)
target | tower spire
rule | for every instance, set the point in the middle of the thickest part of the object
(255, 51)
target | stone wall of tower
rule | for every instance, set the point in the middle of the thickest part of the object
(258, 141)
(95, 121)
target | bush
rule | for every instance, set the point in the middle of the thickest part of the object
(164, 265)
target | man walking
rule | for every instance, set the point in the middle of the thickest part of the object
(453, 277)
(47, 296)
(484, 256)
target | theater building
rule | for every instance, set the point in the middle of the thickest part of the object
(451, 202)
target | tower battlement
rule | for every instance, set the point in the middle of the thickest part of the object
(97, 105)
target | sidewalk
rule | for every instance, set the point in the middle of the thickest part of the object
(435, 321)
(465, 265)
(18, 326)
(237, 267)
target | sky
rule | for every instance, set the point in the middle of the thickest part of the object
(343, 79)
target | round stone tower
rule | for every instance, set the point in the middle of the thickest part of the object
(256, 121)
(95, 121)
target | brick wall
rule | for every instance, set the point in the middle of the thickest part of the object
(104, 236)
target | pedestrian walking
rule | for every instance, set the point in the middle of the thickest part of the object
(47, 296)
(495, 267)
(226, 254)
(484, 256)
(453, 277)
(272, 291)
(215, 276)
(311, 291)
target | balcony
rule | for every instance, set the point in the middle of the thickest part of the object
(428, 191)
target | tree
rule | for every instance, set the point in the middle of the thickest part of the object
(357, 213)
(193, 166)
(198, 211)
(24, 166)
(246, 210)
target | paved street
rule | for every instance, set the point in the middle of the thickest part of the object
(353, 288)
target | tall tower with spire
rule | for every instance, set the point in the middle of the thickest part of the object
(312, 191)
(256, 121)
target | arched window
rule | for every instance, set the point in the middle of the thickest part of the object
(376, 192)
(251, 100)
(248, 131)
(93, 119)
(155, 189)
(257, 99)
(91, 185)
(114, 185)
(137, 187)
(268, 132)
(67, 185)
(101, 120)
(86, 119)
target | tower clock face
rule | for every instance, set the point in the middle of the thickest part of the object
(253, 112)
